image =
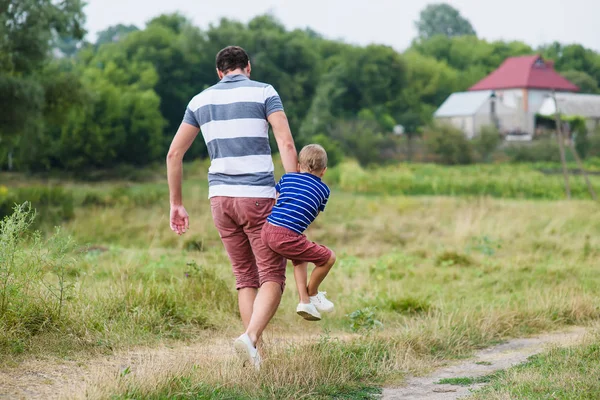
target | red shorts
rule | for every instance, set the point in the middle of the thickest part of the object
(294, 246)
(239, 221)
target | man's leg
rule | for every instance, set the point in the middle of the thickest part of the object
(319, 274)
(271, 268)
(265, 306)
(240, 254)
(246, 299)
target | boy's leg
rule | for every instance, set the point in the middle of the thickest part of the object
(301, 276)
(319, 274)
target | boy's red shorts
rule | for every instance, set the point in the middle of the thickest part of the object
(294, 246)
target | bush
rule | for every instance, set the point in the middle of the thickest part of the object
(543, 150)
(449, 144)
(487, 142)
(35, 278)
(363, 140)
(51, 204)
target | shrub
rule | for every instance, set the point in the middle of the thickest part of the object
(35, 279)
(449, 144)
(536, 151)
(487, 142)
(363, 140)
(52, 204)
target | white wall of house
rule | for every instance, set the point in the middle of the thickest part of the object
(511, 97)
(536, 98)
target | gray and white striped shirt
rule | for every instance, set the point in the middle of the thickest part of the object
(232, 116)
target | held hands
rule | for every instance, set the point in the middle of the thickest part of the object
(180, 220)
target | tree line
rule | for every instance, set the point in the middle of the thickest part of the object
(71, 104)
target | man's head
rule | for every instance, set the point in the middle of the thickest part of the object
(313, 159)
(233, 58)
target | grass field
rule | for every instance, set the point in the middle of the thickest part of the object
(419, 280)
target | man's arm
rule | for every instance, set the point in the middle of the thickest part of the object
(181, 143)
(285, 142)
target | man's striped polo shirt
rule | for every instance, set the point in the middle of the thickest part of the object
(232, 116)
(301, 197)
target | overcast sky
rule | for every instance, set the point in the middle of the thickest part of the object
(374, 21)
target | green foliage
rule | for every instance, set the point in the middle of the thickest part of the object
(449, 144)
(35, 281)
(442, 19)
(52, 205)
(120, 100)
(487, 142)
(27, 28)
(364, 320)
(429, 83)
(536, 151)
(533, 181)
(573, 57)
(362, 140)
(114, 33)
(585, 82)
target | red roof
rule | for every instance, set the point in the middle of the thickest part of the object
(526, 72)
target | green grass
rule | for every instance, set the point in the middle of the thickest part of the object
(419, 280)
(516, 181)
(561, 373)
(465, 381)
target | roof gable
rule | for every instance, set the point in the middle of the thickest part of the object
(526, 72)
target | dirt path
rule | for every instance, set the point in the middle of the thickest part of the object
(485, 362)
(68, 379)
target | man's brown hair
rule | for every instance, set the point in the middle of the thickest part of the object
(232, 58)
(313, 158)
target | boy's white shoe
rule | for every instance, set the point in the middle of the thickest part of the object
(321, 303)
(308, 312)
(247, 351)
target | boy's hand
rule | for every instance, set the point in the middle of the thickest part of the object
(180, 220)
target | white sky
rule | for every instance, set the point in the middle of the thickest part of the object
(375, 21)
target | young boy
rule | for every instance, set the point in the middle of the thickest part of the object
(301, 196)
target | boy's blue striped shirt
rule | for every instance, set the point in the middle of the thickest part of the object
(301, 197)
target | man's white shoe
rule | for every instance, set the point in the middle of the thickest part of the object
(246, 350)
(321, 303)
(308, 312)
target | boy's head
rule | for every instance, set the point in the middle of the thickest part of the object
(313, 159)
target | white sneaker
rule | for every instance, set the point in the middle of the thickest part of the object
(308, 312)
(321, 303)
(246, 350)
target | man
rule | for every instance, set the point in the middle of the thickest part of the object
(234, 116)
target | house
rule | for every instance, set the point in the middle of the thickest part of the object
(572, 104)
(515, 93)
(470, 111)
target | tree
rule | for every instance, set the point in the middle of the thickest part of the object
(442, 19)
(114, 33)
(573, 57)
(429, 82)
(586, 83)
(27, 30)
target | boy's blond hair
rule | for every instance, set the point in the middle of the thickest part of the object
(313, 158)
